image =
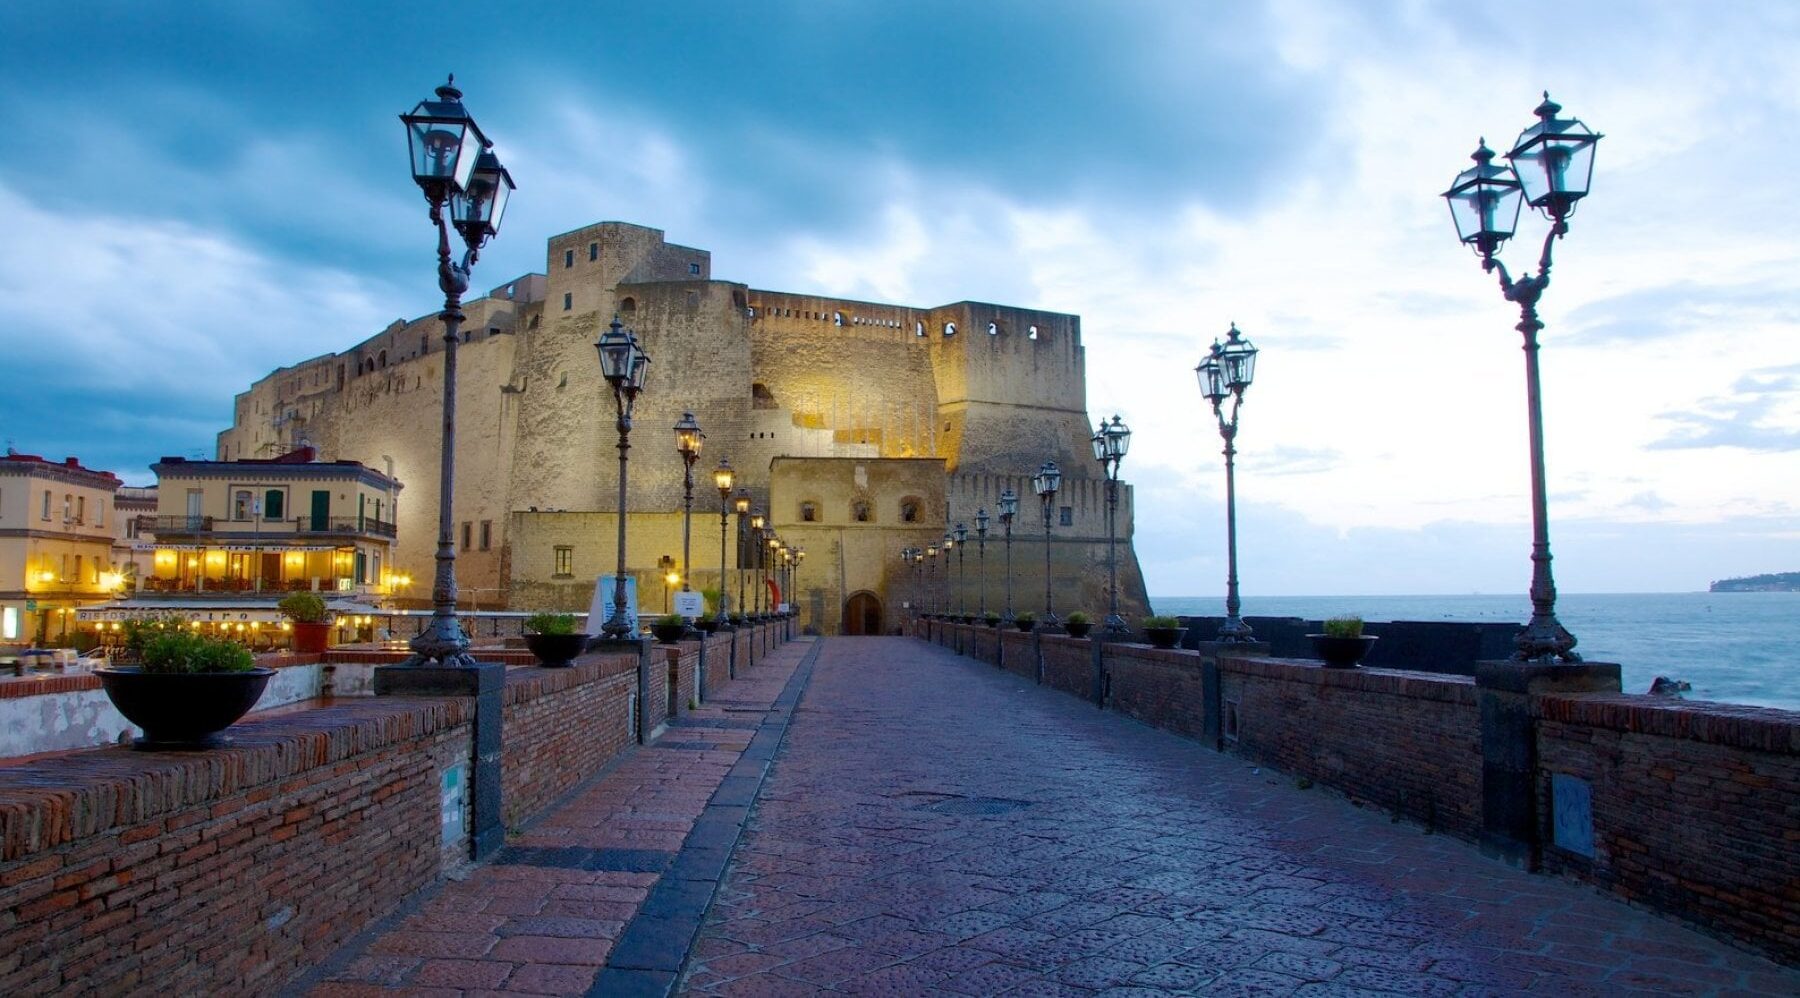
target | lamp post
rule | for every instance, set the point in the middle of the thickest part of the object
(981, 528)
(455, 167)
(1111, 441)
(1552, 166)
(722, 478)
(623, 363)
(741, 504)
(769, 569)
(794, 579)
(756, 544)
(1227, 370)
(962, 570)
(931, 552)
(665, 567)
(949, 545)
(1045, 483)
(1009, 508)
(688, 440)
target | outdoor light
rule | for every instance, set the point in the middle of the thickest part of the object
(962, 570)
(1225, 373)
(740, 503)
(1552, 169)
(1111, 441)
(456, 169)
(1046, 483)
(623, 363)
(931, 553)
(722, 479)
(981, 532)
(1009, 508)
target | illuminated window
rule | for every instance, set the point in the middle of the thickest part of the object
(565, 561)
(9, 622)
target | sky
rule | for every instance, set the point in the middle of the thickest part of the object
(199, 192)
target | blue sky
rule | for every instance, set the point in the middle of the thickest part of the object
(200, 192)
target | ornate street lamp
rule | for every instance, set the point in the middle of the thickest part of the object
(1009, 509)
(981, 528)
(1227, 370)
(794, 579)
(1045, 483)
(741, 504)
(688, 440)
(455, 167)
(907, 559)
(770, 568)
(931, 552)
(722, 478)
(1111, 441)
(757, 520)
(962, 570)
(623, 363)
(1552, 167)
(665, 567)
(949, 545)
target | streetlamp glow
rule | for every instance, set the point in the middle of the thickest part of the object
(723, 477)
(1227, 372)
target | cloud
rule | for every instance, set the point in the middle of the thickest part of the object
(1759, 414)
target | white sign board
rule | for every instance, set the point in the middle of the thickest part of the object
(601, 609)
(690, 604)
(784, 607)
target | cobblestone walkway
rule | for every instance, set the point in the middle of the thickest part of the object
(933, 825)
(544, 916)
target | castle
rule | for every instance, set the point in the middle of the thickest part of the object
(860, 428)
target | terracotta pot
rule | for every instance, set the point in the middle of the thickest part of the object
(311, 637)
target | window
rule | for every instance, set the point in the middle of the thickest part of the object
(131, 527)
(81, 509)
(568, 258)
(100, 512)
(240, 505)
(809, 512)
(949, 329)
(273, 503)
(993, 329)
(468, 534)
(46, 513)
(694, 268)
(565, 561)
(487, 534)
(628, 307)
(837, 318)
(918, 329)
(68, 507)
(424, 344)
(1068, 516)
(593, 252)
(9, 623)
(568, 300)
(860, 511)
(909, 510)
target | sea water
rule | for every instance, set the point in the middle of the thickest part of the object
(1735, 647)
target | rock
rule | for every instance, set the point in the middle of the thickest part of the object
(1663, 686)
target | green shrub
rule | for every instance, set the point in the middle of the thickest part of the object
(1078, 618)
(181, 651)
(1349, 626)
(1028, 617)
(550, 623)
(302, 608)
(1160, 622)
(669, 620)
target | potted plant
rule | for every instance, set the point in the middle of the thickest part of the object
(306, 611)
(187, 689)
(738, 620)
(553, 639)
(1162, 632)
(991, 618)
(1078, 624)
(669, 628)
(1343, 644)
(1024, 621)
(706, 624)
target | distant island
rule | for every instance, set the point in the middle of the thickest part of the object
(1778, 582)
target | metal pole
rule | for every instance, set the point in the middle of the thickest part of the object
(724, 582)
(1049, 614)
(1009, 599)
(687, 519)
(962, 579)
(1114, 622)
(981, 570)
(1234, 630)
(443, 642)
(617, 626)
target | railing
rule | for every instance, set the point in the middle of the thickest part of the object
(161, 525)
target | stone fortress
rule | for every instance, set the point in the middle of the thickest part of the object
(859, 428)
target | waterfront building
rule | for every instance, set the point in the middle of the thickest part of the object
(972, 397)
(56, 545)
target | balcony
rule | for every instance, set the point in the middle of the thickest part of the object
(299, 526)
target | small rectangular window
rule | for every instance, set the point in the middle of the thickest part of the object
(274, 504)
(565, 561)
(46, 513)
(81, 509)
(568, 300)
(593, 252)
(568, 259)
(1068, 516)
(487, 534)
(468, 533)
(694, 268)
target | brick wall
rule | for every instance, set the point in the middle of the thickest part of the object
(1068, 664)
(1021, 653)
(1406, 742)
(560, 726)
(718, 662)
(684, 663)
(1160, 688)
(1696, 808)
(225, 871)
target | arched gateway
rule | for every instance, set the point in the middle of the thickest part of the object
(862, 614)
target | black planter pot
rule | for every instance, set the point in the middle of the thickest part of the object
(180, 711)
(556, 651)
(1162, 637)
(707, 625)
(668, 634)
(1341, 653)
(1024, 625)
(1078, 630)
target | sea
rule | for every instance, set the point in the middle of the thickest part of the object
(1735, 647)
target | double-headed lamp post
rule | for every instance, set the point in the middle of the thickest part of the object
(908, 558)
(770, 569)
(931, 552)
(1009, 509)
(1111, 441)
(1046, 483)
(740, 503)
(722, 478)
(1225, 373)
(455, 167)
(688, 441)
(1552, 167)
(623, 363)
(981, 529)
(962, 570)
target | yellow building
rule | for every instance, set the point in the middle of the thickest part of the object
(56, 540)
(265, 528)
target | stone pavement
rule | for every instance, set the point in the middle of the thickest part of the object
(612, 869)
(933, 825)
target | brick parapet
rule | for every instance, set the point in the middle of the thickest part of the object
(1762, 729)
(560, 727)
(39, 684)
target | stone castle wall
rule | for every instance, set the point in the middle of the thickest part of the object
(767, 374)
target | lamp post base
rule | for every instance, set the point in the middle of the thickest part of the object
(1235, 631)
(1115, 624)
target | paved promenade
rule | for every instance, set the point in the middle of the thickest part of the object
(933, 825)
